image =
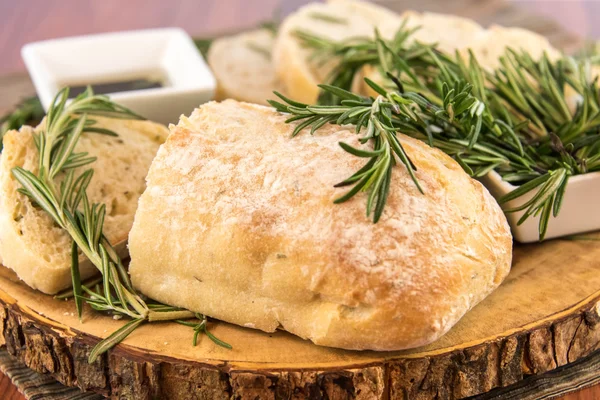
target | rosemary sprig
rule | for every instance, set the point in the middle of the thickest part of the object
(526, 131)
(68, 205)
(398, 56)
(201, 327)
(375, 116)
(382, 118)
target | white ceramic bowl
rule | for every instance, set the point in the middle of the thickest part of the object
(119, 56)
(579, 212)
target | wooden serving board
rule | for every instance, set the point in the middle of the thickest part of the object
(545, 315)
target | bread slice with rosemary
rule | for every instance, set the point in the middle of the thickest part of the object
(243, 68)
(36, 248)
(456, 34)
(450, 33)
(298, 71)
(238, 223)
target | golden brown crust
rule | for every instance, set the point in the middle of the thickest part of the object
(238, 222)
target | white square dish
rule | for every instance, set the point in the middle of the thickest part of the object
(579, 211)
(121, 56)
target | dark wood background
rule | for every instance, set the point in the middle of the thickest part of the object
(23, 21)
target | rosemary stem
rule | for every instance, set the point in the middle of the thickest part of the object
(169, 315)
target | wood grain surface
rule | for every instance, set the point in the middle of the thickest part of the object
(29, 20)
(8, 391)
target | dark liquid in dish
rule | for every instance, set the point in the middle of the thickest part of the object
(116, 86)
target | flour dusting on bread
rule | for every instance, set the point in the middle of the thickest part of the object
(233, 200)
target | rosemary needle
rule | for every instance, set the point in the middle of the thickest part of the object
(67, 203)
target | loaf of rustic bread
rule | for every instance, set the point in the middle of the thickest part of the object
(238, 222)
(31, 243)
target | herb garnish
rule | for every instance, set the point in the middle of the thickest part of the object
(527, 130)
(68, 205)
(382, 118)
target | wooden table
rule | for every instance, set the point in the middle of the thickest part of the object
(8, 390)
(29, 20)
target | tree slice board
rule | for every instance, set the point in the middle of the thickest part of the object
(545, 315)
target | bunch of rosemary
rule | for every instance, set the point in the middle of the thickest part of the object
(517, 120)
(382, 118)
(68, 205)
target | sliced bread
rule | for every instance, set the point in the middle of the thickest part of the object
(452, 33)
(243, 68)
(449, 32)
(31, 243)
(300, 73)
(490, 47)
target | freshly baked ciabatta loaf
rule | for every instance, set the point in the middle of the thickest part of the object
(31, 243)
(238, 222)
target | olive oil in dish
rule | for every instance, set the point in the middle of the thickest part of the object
(139, 81)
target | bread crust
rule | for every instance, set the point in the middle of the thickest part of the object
(238, 223)
(31, 243)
